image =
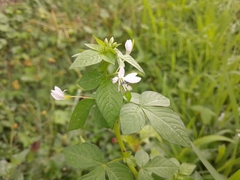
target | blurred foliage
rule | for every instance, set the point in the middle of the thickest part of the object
(189, 50)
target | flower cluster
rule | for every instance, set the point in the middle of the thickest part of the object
(123, 81)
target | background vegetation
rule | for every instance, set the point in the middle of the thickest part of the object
(189, 50)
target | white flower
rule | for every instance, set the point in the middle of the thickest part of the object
(128, 46)
(123, 81)
(58, 94)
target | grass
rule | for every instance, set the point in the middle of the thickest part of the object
(194, 60)
(189, 50)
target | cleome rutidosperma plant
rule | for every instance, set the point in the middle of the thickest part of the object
(125, 112)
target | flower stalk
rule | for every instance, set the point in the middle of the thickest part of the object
(58, 94)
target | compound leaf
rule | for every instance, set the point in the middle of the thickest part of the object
(141, 158)
(161, 166)
(118, 171)
(132, 118)
(144, 175)
(97, 174)
(151, 98)
(168, 124)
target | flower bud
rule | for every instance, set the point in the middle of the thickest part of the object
(111, 40)
(128, 46)
(106, 41)
(115, 44)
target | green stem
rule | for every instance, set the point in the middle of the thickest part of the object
(122, 147)
(134, 171)
(104, 68)
(118, 136)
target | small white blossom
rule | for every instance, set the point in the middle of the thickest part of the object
(123, 81)
(58, 94)
(128, 46)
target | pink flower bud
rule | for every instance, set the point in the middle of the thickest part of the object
(128, 46)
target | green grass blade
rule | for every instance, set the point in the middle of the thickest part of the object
(209, 167)
(235, 176)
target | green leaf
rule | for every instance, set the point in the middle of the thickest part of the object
(132, 118)
(119, 60)
(99, 119)
(151, 98)
(83, 155)
(128, 96)
(183, 177)
(76, 55)
(131, 61)
(99, 41)
(135, 98)
(221, 153)
(86, 58)
(19, 158)
(144, 175)
(186, 169)
(95, 47)
(142, 158)
(161, 166)
(211, 138)
(168, 124)
(197, 176)
(80, 114)
(97, 174)
(206, 113)
(109, 101)
(235, 176)
(90, 80)
(109, 56)
(118, 171)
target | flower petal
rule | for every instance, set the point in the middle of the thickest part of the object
(121, 72)
(132, 78)
(57, 93)
(114, 80)
(58, 90)
(57, 96)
